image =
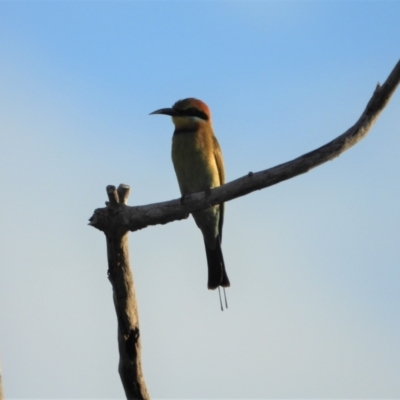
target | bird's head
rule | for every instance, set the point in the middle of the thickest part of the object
(187, 114)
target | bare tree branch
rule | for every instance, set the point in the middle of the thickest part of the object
(1, 387)
(117, 219)
(120, 276)
(134, 218)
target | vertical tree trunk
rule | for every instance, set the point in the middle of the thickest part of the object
(120, 276)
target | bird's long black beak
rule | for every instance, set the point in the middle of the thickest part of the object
(166, 111)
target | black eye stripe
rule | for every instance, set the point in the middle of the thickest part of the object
(193, 112)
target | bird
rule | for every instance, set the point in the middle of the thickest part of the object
(199, 166)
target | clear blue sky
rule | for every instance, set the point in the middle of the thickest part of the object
(314, 307)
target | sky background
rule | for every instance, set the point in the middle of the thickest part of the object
(314, 306)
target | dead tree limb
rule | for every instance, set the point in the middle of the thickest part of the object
(120, 276)
(139, 217)
(117, 219)
(1, 387)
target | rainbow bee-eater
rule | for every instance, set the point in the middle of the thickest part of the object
(199, 166)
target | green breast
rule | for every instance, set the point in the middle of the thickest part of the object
(194, 161)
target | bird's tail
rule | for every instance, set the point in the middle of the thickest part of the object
(216, 267)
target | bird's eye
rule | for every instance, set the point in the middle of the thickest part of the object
(194, 112)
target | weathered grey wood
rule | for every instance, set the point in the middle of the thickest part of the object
(139, 217)
(1, 387)
(120, 276)
(117, 219)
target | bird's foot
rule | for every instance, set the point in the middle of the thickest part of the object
(207, 193)
(184, 198)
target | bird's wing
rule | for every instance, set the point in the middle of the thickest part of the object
(221, 171)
